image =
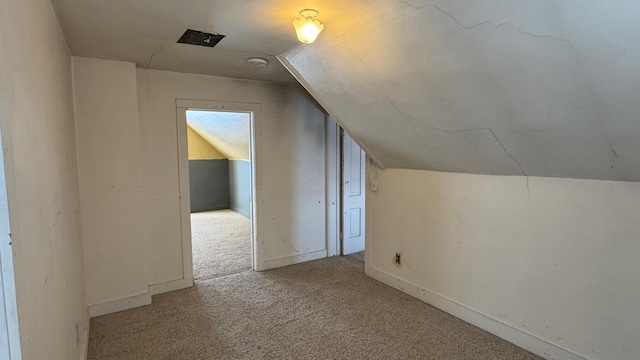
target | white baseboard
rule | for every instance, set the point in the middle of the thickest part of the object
(169, 286)
(505, 331)
(120, 305)
(136, 300)
(294, 259)
(84, 345)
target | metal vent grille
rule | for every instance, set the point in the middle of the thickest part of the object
(195, 37)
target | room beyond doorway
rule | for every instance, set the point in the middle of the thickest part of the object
(220, 191)
(221, 243)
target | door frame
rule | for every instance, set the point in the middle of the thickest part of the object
(9, 326)
(334, 190)
(254, 111)
(333, 181)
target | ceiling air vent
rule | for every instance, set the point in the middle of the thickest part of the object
(195, 37)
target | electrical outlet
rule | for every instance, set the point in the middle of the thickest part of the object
(397, 260)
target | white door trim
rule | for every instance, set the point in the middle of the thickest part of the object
(258, 246)
(333, 199)
(9, 327)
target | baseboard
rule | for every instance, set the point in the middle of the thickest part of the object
(169, 286)
(294, 259)
(505, 331)
(120, 305)
(84, 346)
(137, 300)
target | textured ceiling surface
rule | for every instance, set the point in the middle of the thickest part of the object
(227, 131)
(541, 88)
(145, 32)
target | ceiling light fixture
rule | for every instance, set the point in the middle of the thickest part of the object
(257, 61)
(307, 28)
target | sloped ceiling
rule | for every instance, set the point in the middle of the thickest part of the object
(228, 132)
(543, 88)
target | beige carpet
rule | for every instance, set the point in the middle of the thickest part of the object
(221, 242)
(325, 309)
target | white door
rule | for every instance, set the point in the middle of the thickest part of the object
(353, 192)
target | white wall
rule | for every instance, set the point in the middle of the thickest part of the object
(106, 105)
(129, 183)
(554, 258)
(291, 138)
(36, 116)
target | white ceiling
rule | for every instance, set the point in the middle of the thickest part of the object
(543, 88)
(226, 131)
(146, 31)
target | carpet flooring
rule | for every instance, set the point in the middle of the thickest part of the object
(358, 258)
(324, 309)
(221, 243)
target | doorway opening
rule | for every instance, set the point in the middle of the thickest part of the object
(219, 150)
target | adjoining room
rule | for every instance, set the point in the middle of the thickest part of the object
(219, 153)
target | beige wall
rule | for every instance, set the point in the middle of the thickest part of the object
(106, 105)
(556, 259)
(199, 148)
(36, 116)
